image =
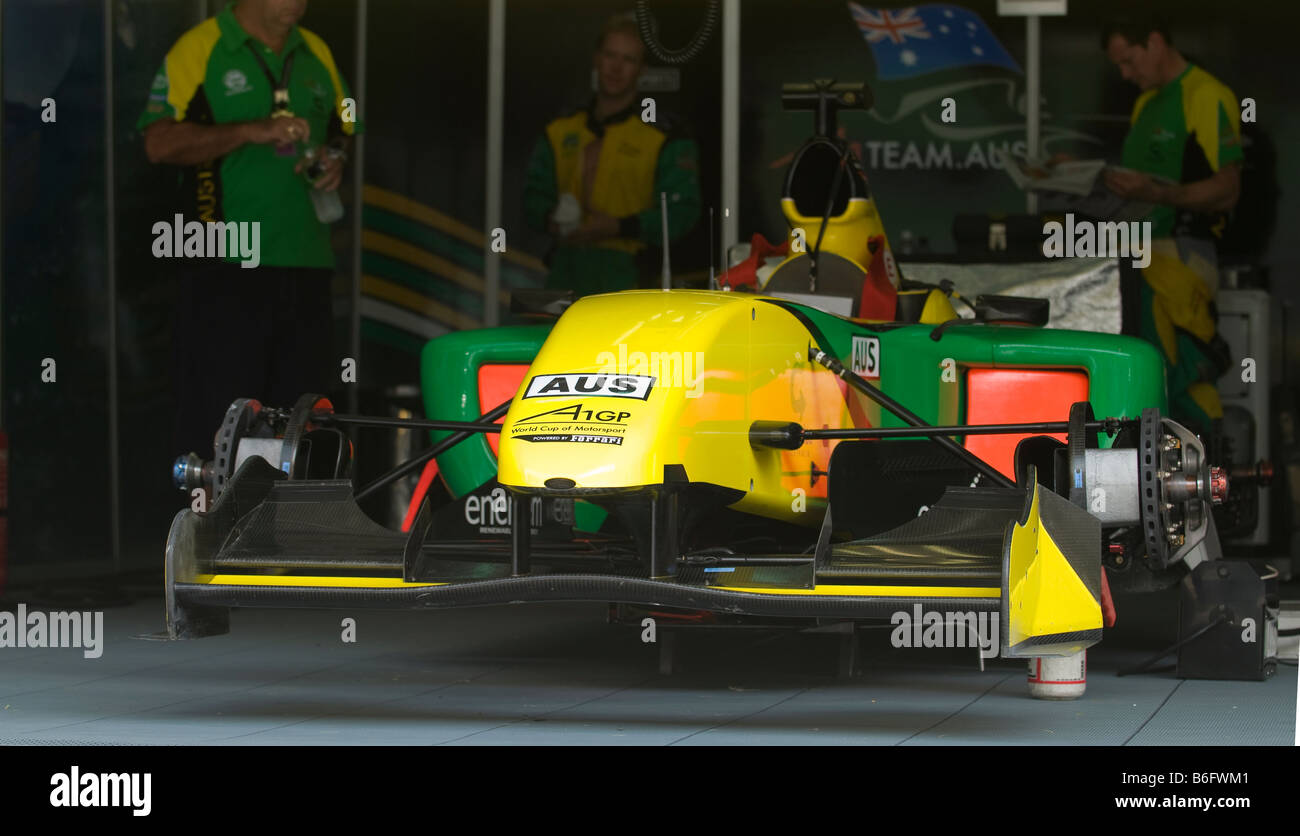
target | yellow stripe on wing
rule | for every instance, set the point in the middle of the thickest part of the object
(877, 591)
(825, 589)
(312, 580)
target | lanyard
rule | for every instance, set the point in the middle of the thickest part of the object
(279, 90)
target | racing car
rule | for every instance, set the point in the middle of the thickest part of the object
(782, 452)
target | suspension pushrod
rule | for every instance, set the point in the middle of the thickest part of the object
(436, 450)
(403, 423)
(908, 417)
(972, 429)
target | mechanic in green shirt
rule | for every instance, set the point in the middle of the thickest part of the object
(238, 102)
(596, 175)
(1186, 130)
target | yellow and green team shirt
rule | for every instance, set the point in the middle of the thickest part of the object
(211, 76)
(638, 161)
(1186, 130)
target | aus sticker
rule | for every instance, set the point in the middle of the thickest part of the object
(600, 385)
(866, 356)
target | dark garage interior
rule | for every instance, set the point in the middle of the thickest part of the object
(580, 382)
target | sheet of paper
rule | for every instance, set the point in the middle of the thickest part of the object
(1077, 186)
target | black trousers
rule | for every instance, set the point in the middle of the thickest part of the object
(264, 333)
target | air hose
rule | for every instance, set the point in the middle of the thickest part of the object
(645, 20)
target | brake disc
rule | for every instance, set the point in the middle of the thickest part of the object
(1155, 520)
(1080, 439)
(1176, 489)
(295, 431)
(241, 417)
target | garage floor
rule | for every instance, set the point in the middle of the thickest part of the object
(558, 674)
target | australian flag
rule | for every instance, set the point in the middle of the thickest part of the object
(923, 39)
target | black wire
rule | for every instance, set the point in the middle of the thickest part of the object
(646, 22)
(714, 278)
(1142, 668)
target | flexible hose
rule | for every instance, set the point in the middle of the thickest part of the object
(1144, 667)
(826, 216)
(645, 20)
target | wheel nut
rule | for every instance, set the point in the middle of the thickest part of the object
(1218, 485)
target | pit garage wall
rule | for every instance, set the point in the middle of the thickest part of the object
(71, 511)
(55, 286)
(421, 246)
(1085, 110)
(1086, 105)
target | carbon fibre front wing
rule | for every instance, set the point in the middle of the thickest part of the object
(271, 542)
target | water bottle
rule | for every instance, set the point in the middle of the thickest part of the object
(328, 206)
(568, 214)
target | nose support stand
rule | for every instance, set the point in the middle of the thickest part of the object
(521, 532)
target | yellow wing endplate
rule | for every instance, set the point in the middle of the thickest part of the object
(1051, 596)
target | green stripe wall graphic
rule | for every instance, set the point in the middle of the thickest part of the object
(422, 275)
